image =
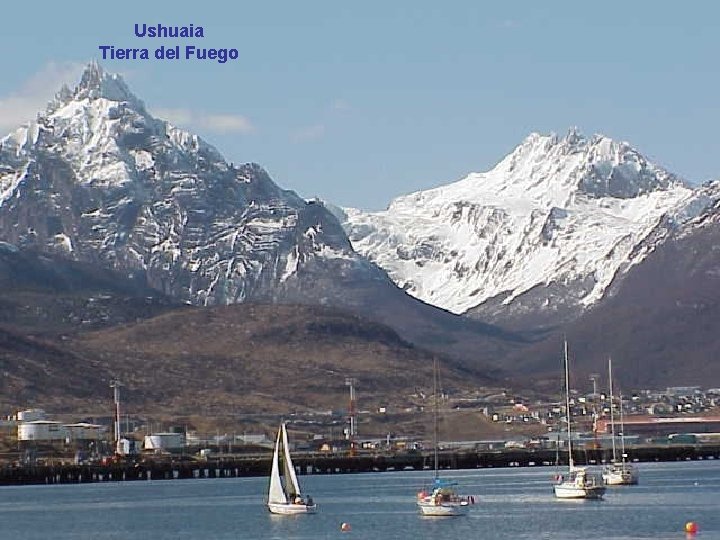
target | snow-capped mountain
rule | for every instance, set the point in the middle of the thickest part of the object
(98, 178)
(543, 234)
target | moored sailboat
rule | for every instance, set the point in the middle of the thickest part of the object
(441, 499)
(284, 495)
(618, 472)
(579, 483)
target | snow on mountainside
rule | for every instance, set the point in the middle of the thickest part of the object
(99, 179)
(545, 232)
(662, 321)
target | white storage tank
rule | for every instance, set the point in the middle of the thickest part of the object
(164, 442)
(41, 430)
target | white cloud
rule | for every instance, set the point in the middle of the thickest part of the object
(178, 117)
(228, 123)
(23, 105)
(217, 123)
(308, 133)
(340, 105)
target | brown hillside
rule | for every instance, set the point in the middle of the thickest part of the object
(248, 358)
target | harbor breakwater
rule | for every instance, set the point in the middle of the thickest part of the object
(176, 468)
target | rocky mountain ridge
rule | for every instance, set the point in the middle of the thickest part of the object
(98, 178)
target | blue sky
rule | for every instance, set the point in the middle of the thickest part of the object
(360, 102)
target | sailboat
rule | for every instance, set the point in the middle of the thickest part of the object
(284, 495)
(579, 483)
(618, 473)
(441, 499)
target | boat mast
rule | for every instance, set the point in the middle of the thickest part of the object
(622, 432)
(612, 414)
(435, 416)
(567, 408)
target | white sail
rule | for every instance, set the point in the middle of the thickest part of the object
(293, 486)
(276, 493)
(285, 497)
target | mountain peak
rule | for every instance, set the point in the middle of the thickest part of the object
(541, 143)
(96, 83)
(574, 136)
(92, 74)
(573, 140)
(599, 166)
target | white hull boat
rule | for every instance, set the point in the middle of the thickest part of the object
(573, 492)
(291, 509)
(443, 502)
(284, 495)
(580, 485)
(442, 509)
(620, 474)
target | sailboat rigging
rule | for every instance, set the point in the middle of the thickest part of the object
(441, 499)
(618, 472)
(284, 495)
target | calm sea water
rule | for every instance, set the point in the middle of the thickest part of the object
(513, 504)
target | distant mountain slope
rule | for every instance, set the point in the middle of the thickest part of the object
(42, 294)
(262, 358)
(38, 372)
(222, 362)
(536, 240)
(661, 326)
(44, 299)
(34, 270)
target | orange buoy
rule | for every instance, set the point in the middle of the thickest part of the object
(691, 527)
(345, 527)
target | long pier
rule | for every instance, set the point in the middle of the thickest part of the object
(150, 468)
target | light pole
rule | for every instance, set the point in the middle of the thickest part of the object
(350, 382)
(115, 384)
(594, 379)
